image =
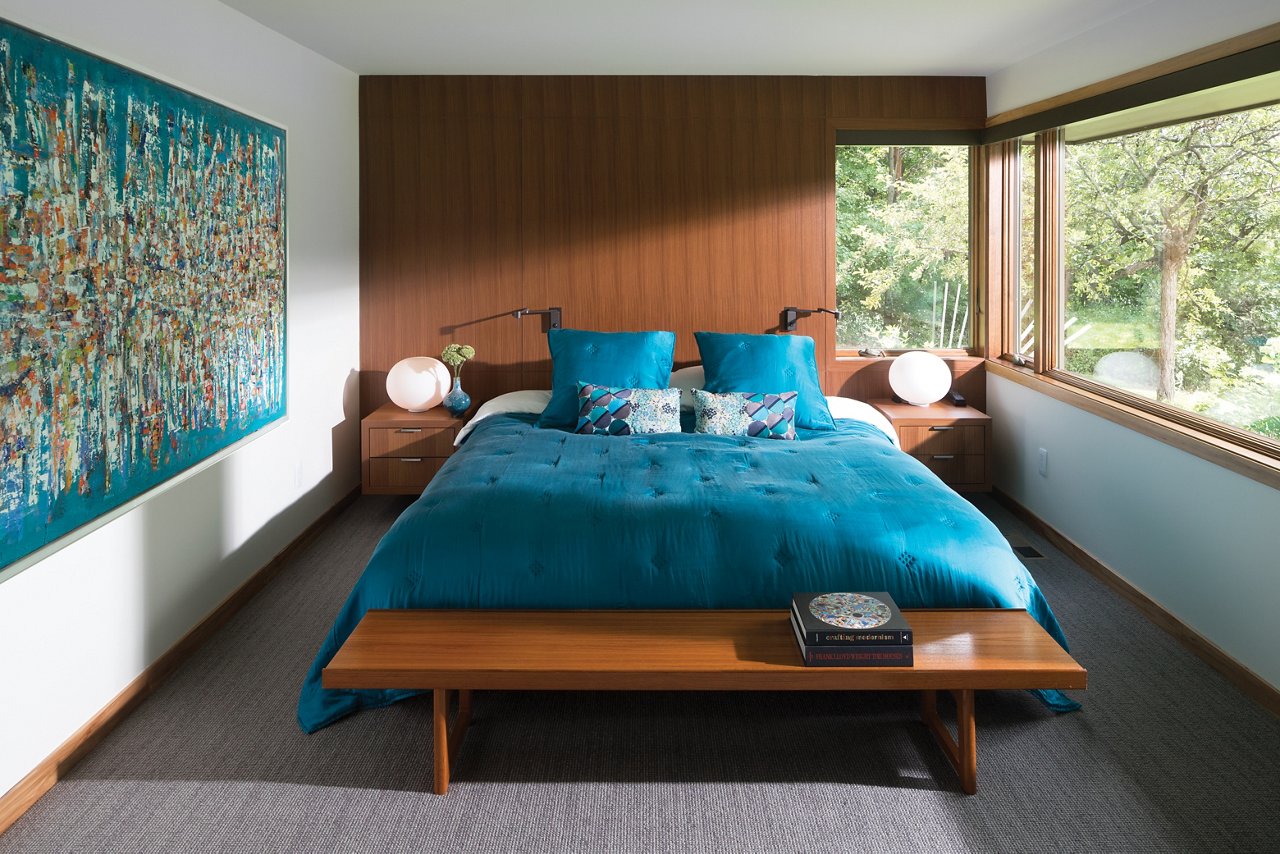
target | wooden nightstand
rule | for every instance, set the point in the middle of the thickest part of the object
(401, 451)
(953, 441)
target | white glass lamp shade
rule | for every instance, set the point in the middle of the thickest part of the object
(919, 377)
(418, 383)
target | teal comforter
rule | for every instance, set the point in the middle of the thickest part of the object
(526, 518)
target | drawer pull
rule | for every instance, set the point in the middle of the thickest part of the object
(944, 456)
(939, 429)
(409, 430)
(411, 459)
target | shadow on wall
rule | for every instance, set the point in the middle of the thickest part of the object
(191, 553)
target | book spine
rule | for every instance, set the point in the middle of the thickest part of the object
(899, 656)
(846, 637)
(890, 638)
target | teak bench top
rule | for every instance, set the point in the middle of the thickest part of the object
(960, 651)
(682, 650)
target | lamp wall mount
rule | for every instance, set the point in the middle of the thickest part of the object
(791, 314)
(550, 316)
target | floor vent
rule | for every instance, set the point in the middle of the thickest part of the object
(1029, 552)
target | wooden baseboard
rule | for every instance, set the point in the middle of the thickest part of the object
(30, 788)
(1253, 685)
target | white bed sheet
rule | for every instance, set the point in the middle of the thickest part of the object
(534, 401)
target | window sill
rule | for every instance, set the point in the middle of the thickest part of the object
(855, 356)
(1239, 459)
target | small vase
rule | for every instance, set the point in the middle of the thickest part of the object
(457, 401)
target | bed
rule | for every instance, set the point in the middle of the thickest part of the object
(523, 517)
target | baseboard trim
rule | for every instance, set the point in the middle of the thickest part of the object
(1250, 683)
(28, 790)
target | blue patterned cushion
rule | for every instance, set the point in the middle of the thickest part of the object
(605, 411)
(765, 416)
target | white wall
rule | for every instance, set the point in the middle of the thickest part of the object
(1144, 36)
(77, 627)
(1201, 540)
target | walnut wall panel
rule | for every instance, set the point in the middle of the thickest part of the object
(440, 243)
(679, 203)
(908, 103)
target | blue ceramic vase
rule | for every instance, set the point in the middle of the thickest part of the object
(457, 401)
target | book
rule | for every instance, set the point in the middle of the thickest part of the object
(850, 619)
(863, 655)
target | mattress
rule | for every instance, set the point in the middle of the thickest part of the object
(521, 517)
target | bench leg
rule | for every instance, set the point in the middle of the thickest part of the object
(448, 740)
(440, 709)
(961, 751)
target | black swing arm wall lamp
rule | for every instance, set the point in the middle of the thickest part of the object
(550, 316)
(791, 314)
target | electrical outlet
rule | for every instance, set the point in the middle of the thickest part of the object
(1044, 462)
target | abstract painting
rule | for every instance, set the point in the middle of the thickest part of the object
(142, 284)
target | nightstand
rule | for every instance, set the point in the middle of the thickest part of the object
(401, 451)
(953, 441)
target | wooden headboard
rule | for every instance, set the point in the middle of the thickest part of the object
(680, 203)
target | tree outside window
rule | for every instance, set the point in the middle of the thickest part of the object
(902, 246)
(1172, 240)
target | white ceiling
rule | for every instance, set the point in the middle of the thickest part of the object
(977, 37)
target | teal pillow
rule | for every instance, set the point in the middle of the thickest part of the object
(614, 359)
(735, 362)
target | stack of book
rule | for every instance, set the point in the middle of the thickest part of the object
(851, 630)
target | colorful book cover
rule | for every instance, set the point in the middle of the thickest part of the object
(850, 619)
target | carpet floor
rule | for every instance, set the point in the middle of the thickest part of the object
(1165, 755)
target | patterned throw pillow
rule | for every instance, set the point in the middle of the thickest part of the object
(605, 411)
(735, 413)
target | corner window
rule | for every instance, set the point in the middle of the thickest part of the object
(902, 246)
(1172, 264)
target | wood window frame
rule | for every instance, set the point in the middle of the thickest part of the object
(1238, 450)
(1000, 194)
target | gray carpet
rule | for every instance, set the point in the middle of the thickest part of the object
(1165, 756)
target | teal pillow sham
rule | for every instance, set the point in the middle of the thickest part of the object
(748, 363)
(613, 359)
(741, 413)
(604, 411)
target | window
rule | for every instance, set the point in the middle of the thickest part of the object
(902, 246)
(1025, 318)
(1172, 264)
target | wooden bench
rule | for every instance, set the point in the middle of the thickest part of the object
(960, 651)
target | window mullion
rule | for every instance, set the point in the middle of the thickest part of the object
(1010, 243)
(1050, 263)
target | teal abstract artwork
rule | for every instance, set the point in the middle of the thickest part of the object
(142, 284)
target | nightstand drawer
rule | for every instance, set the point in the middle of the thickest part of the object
(411, 473)
(411, 441)
(943, 439)
(956, 468)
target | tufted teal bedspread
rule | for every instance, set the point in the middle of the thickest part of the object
(526, 518)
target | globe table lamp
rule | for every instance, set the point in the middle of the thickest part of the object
(919, 377)
(418, 383)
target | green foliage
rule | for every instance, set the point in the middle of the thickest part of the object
(1198, 202)
(455, 355)
(902, 245)
(1267, 426)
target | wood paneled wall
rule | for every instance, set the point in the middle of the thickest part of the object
(680, 203)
